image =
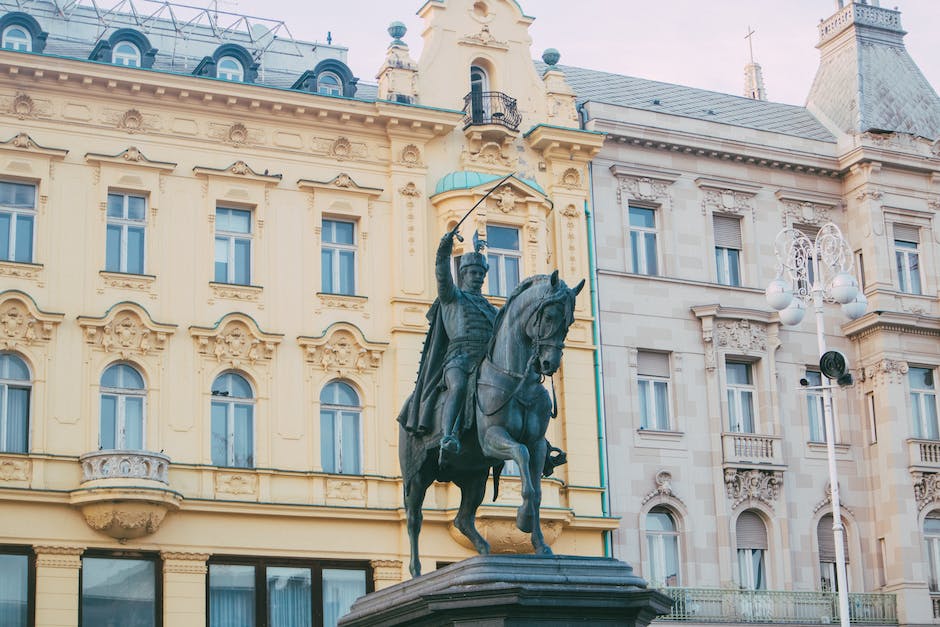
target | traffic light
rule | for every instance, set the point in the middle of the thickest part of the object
(834, 366)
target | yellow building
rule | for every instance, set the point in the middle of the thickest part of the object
(216, 263)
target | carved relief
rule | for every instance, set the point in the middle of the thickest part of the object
(742, 336)
(504, 199)
(346, 489)
(236, 341)
(571, 178)
(727, 201)
(22, 324)
(411, 156)
(244, 293)
(340, 148)
(484, 38)
(386, 571)
(124, 523)
(759, 485)
(15, 469)
(236, 483)
(571, 211)
(185, 563)
(126, 331)
(813, 214)
(58, 556)
(886, 371)
(127, 282)
(926, 488)
(21, 271)
(663, 481)
(343, 350)
(238, 133)
(23, 106)
(410, 193)
(711, 358)
(489, 155)
(131, 121)
(827, 499)
(641, 188)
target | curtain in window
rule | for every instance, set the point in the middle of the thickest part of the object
(133, 423)
(231, 596)
(340, 589)
(289, 597)
(244, 437)
(350, 443)
(219, 435)
(17, 419)
(108, 421)
(14, 593)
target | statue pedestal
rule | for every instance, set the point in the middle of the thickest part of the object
(515, 590)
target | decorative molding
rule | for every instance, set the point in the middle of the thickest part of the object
(663, 489)
(827, 499)
(130, 156)
(23, 142)
(340, 148)
(22, 323)
(886, 371)
(742, 336)
(810, 213)
(28, 271)
(760, 485)
(484, 39)
(346, 489)
(488, 156)
(341, 181)
(231, 291)
(185, 563)
(118, 280)
(126, 329)
(926, 488)
(504, 199)
(342, 349)
(50, 556)
(343, 302)
(410, 156)
(235, 340)
(386, 571)
(104, 464)
(642, 188)
(23, 106)
(241, 170)
(570, 178)
(15, 469)
(236, 483)
(727, 201)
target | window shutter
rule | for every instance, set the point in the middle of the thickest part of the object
(727, 232)
(652, 364)
(907, 233)
(751, 532)
(827, 542)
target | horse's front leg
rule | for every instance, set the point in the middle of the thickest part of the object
(537, 453)
(472, 490)
(496, 442)
(414, 500)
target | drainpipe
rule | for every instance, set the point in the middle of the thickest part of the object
(596, 335)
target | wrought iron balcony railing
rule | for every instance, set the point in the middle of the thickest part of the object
(713, 605)
(490, 107)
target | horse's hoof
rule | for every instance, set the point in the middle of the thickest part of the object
(543, 550)
(524, 521)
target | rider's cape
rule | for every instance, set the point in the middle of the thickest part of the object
(417, 415)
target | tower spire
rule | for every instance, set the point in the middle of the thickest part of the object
(753, 76)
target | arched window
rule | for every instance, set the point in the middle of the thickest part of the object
(932, 536)
(232, 422)
(126, 53)
(230, 69)
(479, 83)
(826, 542)
(340, 416)
(328, 83)
(15, 37)
(752, 551)
(14, 404)
(662, 542)
(122, 408)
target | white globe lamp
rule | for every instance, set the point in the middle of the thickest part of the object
(779, 294)
(793, 314)
(856, 308)
(843, 288)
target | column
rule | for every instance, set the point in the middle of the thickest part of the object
(57, 593)
(385, 573)
(184, 589)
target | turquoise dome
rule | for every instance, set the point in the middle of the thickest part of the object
(467, 179)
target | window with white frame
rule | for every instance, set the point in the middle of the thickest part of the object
(826, 543)
(233, 246)
(17, 220)
(505, 259)
(653, 384)
(741, 391)
(907, 258)
(127, 223)
(338, 257)
(16, 37)
(230, 69)
(643, 253)
(814, 407)
(727, 249)
(340, 424)
(126, 53)
(751, 536)
(233, 430)
(123, 401)
(923, 403)
(932, 538)
(662, 543)
(15, 389)
(329, 84)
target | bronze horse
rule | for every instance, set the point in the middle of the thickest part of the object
(511, 412)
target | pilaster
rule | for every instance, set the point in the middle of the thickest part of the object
(57, 593)
(386, 573)
(184, 589)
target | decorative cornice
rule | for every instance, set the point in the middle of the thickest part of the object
(130, 156)
(22, 323)
(341, 182)
(185, 563)
(236, 340)
(126, 329)
(50, 556)
(23, 142)
(758, 485)
(893, 322)
(342, 349)
(240, 170)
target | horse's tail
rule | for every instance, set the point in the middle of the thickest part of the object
(497, 471)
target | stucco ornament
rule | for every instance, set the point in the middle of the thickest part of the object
(235, 341)
(236, 483)
(341, 148)
(571, 178)
(886, 371)
(505, 199)
(132, 121)
(760, 485)
(411, 156)
(926, 488)
(22, 324)
(641, 188)
(23, 106)
(809, 213)
(727, 201)
(342, 350)
(15, 469)
(663, 482)
(126, 331)
(238, 133)
(742, 336)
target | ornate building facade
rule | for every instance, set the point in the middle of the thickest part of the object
(717, 455)
(215, 263)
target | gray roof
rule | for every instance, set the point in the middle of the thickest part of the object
(701, 104)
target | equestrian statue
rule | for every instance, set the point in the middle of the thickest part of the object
(479, 399)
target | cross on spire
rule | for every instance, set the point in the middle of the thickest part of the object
(750, 41)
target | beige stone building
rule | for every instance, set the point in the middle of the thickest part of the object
(718, 463)
(215, 264)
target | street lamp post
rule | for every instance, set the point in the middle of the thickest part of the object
(819, 271)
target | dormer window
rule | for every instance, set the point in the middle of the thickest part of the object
(329, 84)
(126, 53)
(17, 38)
(230, 69)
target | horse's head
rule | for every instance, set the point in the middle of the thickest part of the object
(548, 325)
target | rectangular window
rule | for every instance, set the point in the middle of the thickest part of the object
(14, 416)
(643, 241)
(119, 587)
(505, 259)
(233, 246)
(338, 257)
(339, 441)
(17, 220)
(872, 421)
(127, 221)
(860, 269)
(751, 569)
(727, 249)
(16, 588)
(907, 258)
(814, 408)
(653, 383)
(741, 392)
(923, 403)
(283, 593)
(232, 434)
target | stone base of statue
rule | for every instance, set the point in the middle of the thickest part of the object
(515, 590)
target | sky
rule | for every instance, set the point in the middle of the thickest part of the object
(699, 43)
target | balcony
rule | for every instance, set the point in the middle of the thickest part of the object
(753, 449)
(125, 494)
(924, 454)
(490, 108)
(713, 605)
